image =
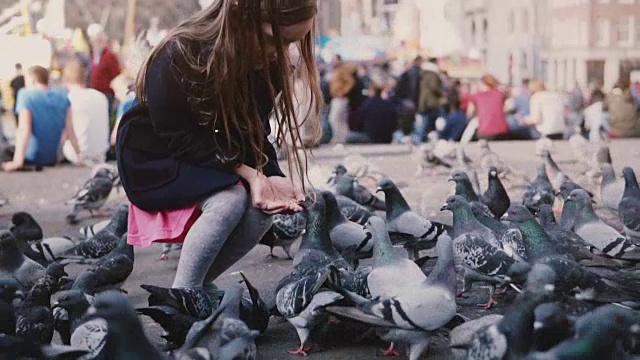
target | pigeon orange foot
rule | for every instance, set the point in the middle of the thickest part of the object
(163, 257)
(301, 351)
(391, 351)
(488, 305)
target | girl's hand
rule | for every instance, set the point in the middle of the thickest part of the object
(273, 195)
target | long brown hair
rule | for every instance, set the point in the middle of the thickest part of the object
(217, 63)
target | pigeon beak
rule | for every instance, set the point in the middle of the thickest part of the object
(379, 189)
(450, 180)
(538, 325)
(505, 216)
(444, 207)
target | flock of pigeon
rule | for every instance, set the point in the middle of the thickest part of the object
(571, 287)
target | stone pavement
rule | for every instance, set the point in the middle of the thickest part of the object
(43, 195)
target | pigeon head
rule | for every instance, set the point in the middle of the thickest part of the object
(493, 172)
(386, 185)
(545, 214)
(56, 270)
(548, 314)
(71, 299)
(113, 307)
(8, 242)
(518, 214)
(21, 218)
(454, 202)
(313, 202)
(8, 289)
(579, 196)
(459, 176)
(629, 177)
(104, 173)
(340, 169)
(345, 184)
(541, 280)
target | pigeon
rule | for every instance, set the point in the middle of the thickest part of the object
(301, 295)
(629, 208)
(588, 226)
(253, 310)
(488, 159)
(48, 249)
(13, 263)
(415, 312)
(90, 231)
(126, 338)
(26, 228)
(483, 214)
(611, 189)
(401, 219)
(599, 335)
(22, 348)
(510, 238)
(111, 270)
(463, 186)
(222, 326)
(595, 283)
(496, 197)
(511, 338)
(175, 324)
(551, 326)
(561, 182)
(104, 241)
(347, 185)
(539, 192)
(338, 170)
(285, 230)
(353, 211)
(34, 318)
(198, 302)
(463, 163)
(465, 223)
(345, 234)
(92, 195)
(90, 335)
(167, 248)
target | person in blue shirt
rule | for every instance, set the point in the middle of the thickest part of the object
(44, 121)
(456, 122)
(379, 120)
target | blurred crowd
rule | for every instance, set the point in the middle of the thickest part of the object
(369, 104)
(73, 117)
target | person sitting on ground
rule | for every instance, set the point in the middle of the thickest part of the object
(44, 121)
(623, 115)
(547, 112)
(456, 122)
(379, 119)
(17, 83)
(90, 117)
(488, 105)
(342, 84)
(193, 154)
(595, 116)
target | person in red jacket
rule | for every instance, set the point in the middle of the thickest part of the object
(105, 65)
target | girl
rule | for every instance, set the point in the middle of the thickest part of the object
(193, 154)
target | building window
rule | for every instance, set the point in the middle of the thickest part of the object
(511, 22)
(603, 33)
(623, 30)
(525, 20)
(485, 29)
(473, 31)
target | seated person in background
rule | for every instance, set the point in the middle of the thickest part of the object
(379, 119)
(547, 111)
(126, 96)
(623, 114)
(595, 115)
(44, 120)
(90, 118)
(456, 122)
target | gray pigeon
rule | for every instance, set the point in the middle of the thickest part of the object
(222, 326)
(465, 223)
(611, 188)
(463, 163)
(401, 219)
(347, 185)
(590, 227)
(92, 195)
(126, 338)
(629, 208)
(344, 233)
(14, 265)
(168, 248)
(539, 192)
(489, 158)
(89, 231)
(464, 187)
(285, 230)
(561, 182)
(415, 312)
(104, 241)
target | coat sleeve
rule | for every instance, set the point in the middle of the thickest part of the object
(174, 120)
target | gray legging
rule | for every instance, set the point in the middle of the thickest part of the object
(227, 230)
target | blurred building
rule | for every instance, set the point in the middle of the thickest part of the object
(507, 36)
(592, 42)
(330, 17)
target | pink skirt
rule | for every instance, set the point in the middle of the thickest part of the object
(146, 228)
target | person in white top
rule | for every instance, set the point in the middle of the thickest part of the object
(547, 111)
(90, 117)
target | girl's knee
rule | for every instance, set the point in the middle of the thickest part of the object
(233, 198)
